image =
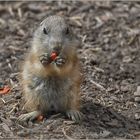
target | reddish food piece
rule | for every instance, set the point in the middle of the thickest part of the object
(4, 90)
(53, 55)
(40, 118)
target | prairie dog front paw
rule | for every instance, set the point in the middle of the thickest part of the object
(45, 59)
(59, 61)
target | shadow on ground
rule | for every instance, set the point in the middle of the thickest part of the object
(104, 122)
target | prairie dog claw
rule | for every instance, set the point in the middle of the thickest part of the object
(28, 116)
(75, 115)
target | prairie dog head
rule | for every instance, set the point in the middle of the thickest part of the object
(54, 34)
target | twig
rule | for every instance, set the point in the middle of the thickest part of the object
(11, 11)
(98, 69)
(29, 131)
(68, 137)
(19, 13)
(14, 108)
(3, 100)
(97, 85)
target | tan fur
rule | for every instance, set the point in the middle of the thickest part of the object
(32, 67)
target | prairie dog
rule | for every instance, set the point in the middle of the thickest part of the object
(52, 85)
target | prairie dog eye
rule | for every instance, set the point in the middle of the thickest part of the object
(45, 31)
(67, 31)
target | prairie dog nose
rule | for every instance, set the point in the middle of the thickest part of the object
(56, 44)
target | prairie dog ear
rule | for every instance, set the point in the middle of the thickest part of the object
(50, 18)
(45, 19)
(42, 22)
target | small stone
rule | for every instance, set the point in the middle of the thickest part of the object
(137, 99)
(127, 59)
(137, 116)
(105, 134)
(1, 85)
(137, 93)
(23, 133)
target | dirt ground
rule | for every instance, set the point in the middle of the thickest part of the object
(110, 59)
